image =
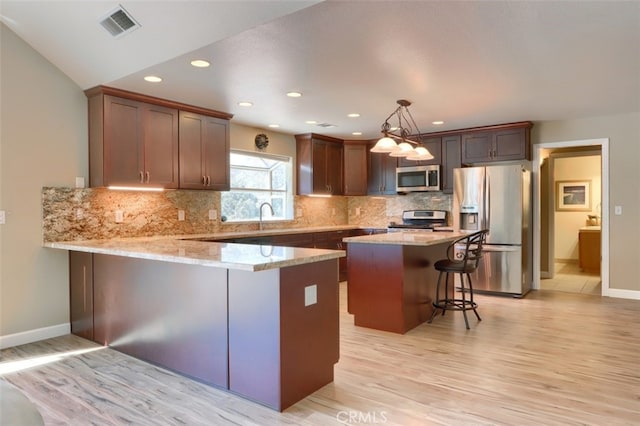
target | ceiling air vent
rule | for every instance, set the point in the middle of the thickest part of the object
(119, 22)
(326, 125)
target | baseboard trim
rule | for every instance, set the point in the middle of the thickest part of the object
(17, 339)
(623, 294)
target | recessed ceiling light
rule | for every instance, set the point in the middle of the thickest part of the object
(294, 94)
(153, 79)
(353, 115)
(311, 122)
(437, 123)
(274, 126)
(357, 133)
(200, 63)
(245, 104)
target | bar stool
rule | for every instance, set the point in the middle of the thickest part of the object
(463, 257)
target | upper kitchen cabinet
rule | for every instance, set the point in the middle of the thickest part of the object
(382, 173)
(432, 144)
(355, 168)
(134, 139)
(451, 159)
(204, 152)
(319, 164)
(497, 143)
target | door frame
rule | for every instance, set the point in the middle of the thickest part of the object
(603, 143)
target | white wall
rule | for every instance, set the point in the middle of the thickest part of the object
(43, 140)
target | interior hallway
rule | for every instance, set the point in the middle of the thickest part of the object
(570, 279)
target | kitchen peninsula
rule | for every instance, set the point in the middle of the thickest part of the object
(260, 321)
(391, 279)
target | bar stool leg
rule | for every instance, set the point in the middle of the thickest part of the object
(464, 301)
(471, 297)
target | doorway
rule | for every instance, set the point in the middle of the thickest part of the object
(546, 203)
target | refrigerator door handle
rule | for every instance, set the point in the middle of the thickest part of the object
(498, 248)
(487, 204)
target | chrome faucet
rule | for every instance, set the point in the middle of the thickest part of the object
(270, 208)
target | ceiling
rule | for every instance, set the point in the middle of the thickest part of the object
(466, 63)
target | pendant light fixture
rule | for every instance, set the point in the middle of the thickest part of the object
(406, 132)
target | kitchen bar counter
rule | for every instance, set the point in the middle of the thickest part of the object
(391, 278)
(248, 257)
(260, 321)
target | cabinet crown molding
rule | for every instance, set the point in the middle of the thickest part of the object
(112, 91)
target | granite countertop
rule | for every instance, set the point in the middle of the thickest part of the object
(250, 257)
(407, 238)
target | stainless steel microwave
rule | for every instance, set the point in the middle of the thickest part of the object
(418, 178)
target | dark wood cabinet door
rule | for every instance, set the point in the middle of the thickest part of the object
(477, 147)
(510, 144)
(382, 174)
(355, 169)
(123, 141)
(161, 146)
(334, 168)
(81, 294)
(140, 143)
(320, 152)
(434, 147)
(451, 159)
(204, 152)
(319, 164)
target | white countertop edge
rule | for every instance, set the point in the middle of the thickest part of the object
(407, 238)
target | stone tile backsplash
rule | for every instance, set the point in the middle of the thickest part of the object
(83, 214)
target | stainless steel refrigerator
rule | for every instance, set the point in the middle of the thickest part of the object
(497, 198)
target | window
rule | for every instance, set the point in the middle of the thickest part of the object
(255, 179)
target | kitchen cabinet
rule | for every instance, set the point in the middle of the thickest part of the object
(319, 164)
(497, 143)
(382, 173)
(204, 152)
(589, 249)
(81, 294)
(355, 168)
(451, 159)
(434, 145)
(134, 141)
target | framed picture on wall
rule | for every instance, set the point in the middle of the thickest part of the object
(573, 195)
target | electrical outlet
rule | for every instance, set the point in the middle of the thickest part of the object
(213, 214)
(3, 217)
(119, 216)
(617, 210)
(298, 212)
(333, 212)
(181, 215)
(310, 295)
(79, 214)
(357, 211)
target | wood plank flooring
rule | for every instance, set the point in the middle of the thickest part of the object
(551, 358)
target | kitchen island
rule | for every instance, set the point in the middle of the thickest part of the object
(259, 321)
(391, 279)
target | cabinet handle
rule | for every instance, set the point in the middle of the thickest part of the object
(204, 180)
(141, 176)
(148, 175)
(208, 180)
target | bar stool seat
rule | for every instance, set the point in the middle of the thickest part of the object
(463, 257)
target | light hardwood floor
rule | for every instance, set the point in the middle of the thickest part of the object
(552, 358)
(570, 278)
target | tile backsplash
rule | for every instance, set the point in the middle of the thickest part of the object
(82, 214)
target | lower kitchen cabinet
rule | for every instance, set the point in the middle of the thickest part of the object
(81, 294)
